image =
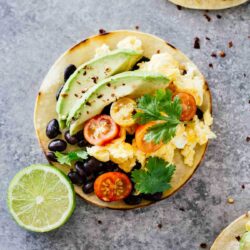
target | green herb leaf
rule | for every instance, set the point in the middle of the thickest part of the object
(159, 107)
(155, 177)
(70, 157)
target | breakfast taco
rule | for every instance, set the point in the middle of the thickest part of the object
(208, 4)
(236, 236)
(127, 116)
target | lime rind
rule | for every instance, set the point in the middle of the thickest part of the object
(63, 180)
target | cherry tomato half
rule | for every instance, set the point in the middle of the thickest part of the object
(122, 111)
(100, 130)
(112, 186)
(188, 106)
(146, 147)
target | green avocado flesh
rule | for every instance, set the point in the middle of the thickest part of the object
(132, 83)
(245, 241)
(89, 74)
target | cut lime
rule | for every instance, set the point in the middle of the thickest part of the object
(41, 198)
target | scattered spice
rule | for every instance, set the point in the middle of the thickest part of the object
(112, 95)
(207, 17)
(219, 16)
(94, 78)
(136, 27)
(230, 44)
(76, 95)
(237, 238)
(182, 209)
(64, 95)
(243, 186)
(203, 245)
(248, 138)
(108, 84)
(230, 200)
(207, 38)
(84, 73)
(99, 96)
(179, 7)
(210, 65)
(102, 31)
(160, 226)
(88, 103)
(197, 43)
(158, 51)
(222, 54)
(214, 55)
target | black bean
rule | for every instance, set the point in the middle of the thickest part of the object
(69, 71)
(106, 110)
(129, 138)
(57, 145)
(153, 197)
(59, 92)
(80, 169)
(79, 135)
(51, 156)
(70, 139)
(88, 187)
(52, 129)
(92, 166)
(83, 143)
(91, 177)
(199, 113)
(133, 199)
(75, 178)
(143, 59)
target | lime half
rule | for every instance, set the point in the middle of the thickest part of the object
(41, 198)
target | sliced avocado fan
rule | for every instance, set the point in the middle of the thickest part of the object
(132, 83)
(89, 74)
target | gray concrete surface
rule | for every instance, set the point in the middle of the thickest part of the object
(34, 33)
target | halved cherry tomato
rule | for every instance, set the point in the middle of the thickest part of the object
(100, 130)
(122, 111)
(188, 106)
(112, 186)
(146, 147)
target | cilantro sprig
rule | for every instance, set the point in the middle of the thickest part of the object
(155, 177)
(70, 157)
(159, 107)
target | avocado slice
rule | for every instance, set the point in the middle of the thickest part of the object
(89, 73)
(132, 83)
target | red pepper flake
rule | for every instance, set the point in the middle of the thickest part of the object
(207, 17)
(159, 226)
(210, 65)
(222, 54)
(248, 139)
(179, 7)
(230, 44)
(207, 38)
(203, 245)
(237, 238)
(197, 43)
(243, 186)
(214, 55)
(219, 16)
(102, 31)
(137, 27)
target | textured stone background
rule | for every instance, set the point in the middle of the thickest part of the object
(34, 33)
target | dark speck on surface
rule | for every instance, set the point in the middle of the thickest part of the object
(99, 222)
(210, 65)
(197, 43)
(207, 17)
(102, 31)
(218, 16)
(248, 139)
(179, 7)
(243, 186)
(137, 27)
(159, 226)
(182, 209)
(237, 238)
(203, 245)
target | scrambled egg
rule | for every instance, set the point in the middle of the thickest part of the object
(191, 82)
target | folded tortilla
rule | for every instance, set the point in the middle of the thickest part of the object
(208, 4)
(227, 240)
(45, 108)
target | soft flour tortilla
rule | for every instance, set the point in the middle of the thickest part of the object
(208, 4)
(227, 238)
(45, 108)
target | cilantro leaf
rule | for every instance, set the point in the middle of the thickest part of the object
(159, 107)
(155, 177)
(69, 157)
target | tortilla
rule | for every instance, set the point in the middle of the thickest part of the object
(208, 4)
(45, 108)
(227, 238)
